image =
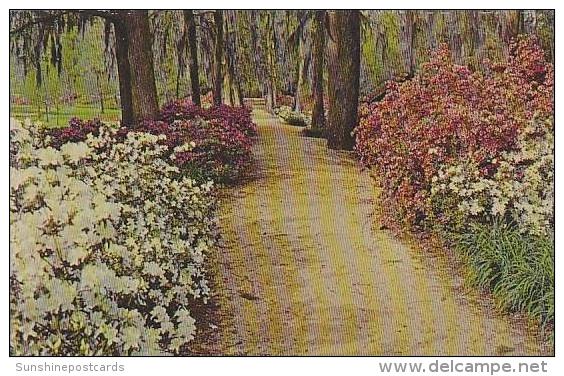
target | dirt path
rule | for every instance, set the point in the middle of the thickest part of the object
(305, 270)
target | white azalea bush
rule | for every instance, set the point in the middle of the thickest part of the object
(503, 222)
(108, 245)
(521, 190)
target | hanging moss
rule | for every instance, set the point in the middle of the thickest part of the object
(371, 59)
(545, 32)
(381, 49)
(392, 52)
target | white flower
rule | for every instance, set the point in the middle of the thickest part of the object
(498, 208)
(74, 152)
(48, 157)
(475, 208)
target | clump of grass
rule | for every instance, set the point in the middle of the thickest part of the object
(518, 268)
(313, 132)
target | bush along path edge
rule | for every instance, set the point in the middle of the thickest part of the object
(469, 158)
(100, 264)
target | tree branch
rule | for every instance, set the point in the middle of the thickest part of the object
(49, 18)
(41, 20)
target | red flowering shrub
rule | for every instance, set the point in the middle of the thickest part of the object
(285, 100)
(222, 152)
(222, 136)
(447, 114)
(236, 117)
(183, 109)
(76, 131)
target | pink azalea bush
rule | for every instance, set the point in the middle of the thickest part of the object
(222, 137)
(469, 156)
(183, 109)
(76, 131)
(447, 114)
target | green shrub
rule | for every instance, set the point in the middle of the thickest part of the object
(518, 268)
(292, 117)
(107, 246)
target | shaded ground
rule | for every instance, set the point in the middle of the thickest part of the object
(305, 270)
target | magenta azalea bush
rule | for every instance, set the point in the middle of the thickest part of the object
(237, 117)
(469, 156)
(448, 114)
(222, 137)
(76, 131)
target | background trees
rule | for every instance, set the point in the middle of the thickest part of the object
(138, 60)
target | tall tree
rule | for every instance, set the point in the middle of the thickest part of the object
(190, 23)
(234, 81)
(133, 50)
(218, 61)
(303, 58)
(268, 48)
(344, 77)
(410, 29)
(140, 55)
(124, 73)
(318, 116)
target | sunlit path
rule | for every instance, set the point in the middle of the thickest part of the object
(306, 270)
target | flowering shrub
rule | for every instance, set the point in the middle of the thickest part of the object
(181, 109)
(520, 191)
(234, 117)
(220, 152)
(285, 100)
(76, 131)
(237, 117)
(469, 156)
(292, 117)
(222, 137)
(108, 243)
(447, 114)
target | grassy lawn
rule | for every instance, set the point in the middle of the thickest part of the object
(61, 117)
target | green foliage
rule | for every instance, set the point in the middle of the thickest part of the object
(59, 117)
(292, 117)
(381, 49)
(87, 80)
(100, 264)
(517, 268)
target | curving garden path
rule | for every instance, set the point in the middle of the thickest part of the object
(305, 269)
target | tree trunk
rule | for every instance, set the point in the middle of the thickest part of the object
(299, 77)
(193, 45)
(410, 34)
(100, 93)
(344, 78)
(271, 64)
(527, 21)
(177, 88)
(218, 80)
(231, 59)
(318, 116)
(124, 74)
(140, 54)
